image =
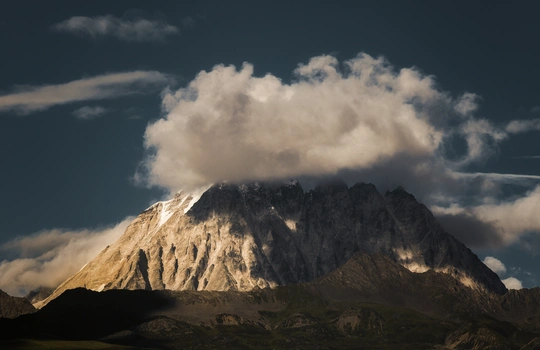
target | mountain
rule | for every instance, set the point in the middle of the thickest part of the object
(258, 235)
(371, 301)
(39, 295)
(11, 307)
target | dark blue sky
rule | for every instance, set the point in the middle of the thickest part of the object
(58, 171)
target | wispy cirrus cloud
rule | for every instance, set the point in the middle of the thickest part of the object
(519, 126)
(127, 28)
(188, 22)
(527, 157)
(498, 176)
(90, 112)
(28, 99)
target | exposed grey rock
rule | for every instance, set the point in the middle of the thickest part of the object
(229, 319)
(298, 320)
(12, 307)
(226, 319)
(472, 337)
(241, 237)
(162, 328)
(365, 321)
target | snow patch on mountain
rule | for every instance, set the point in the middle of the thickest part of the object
(167, 210)
(195, 196)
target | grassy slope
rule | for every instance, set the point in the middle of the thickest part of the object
(33, 344)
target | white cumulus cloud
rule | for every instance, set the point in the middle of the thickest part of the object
(495, 265)
(27, 99)
(499, 268)
(228, 124)
(49, 257)
(512, 283)
(135, 29)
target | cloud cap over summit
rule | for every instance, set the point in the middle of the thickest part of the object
(228, 124)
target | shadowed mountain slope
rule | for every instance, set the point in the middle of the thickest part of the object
(370, 300)
(11, 307)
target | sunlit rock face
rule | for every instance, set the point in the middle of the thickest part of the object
(240, 237)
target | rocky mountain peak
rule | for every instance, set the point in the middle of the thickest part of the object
(12, 307)
(257, 235)
(399, 194)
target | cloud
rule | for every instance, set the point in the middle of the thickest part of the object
(29, 99)
(515, 217)
(228, 124)
(535, 109)
(527, 157)
(136, 29)
(89, 112)
(133, 113)
(504, 178)
(361, 120)
(505, 222)
(495, 265)
(470, 230)
(467, 104)
(188, 22)
(519, 126)
(499, 268)
(49, 257)
(530, 243)
(512, 283)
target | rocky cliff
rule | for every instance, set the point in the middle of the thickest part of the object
(241, 237)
